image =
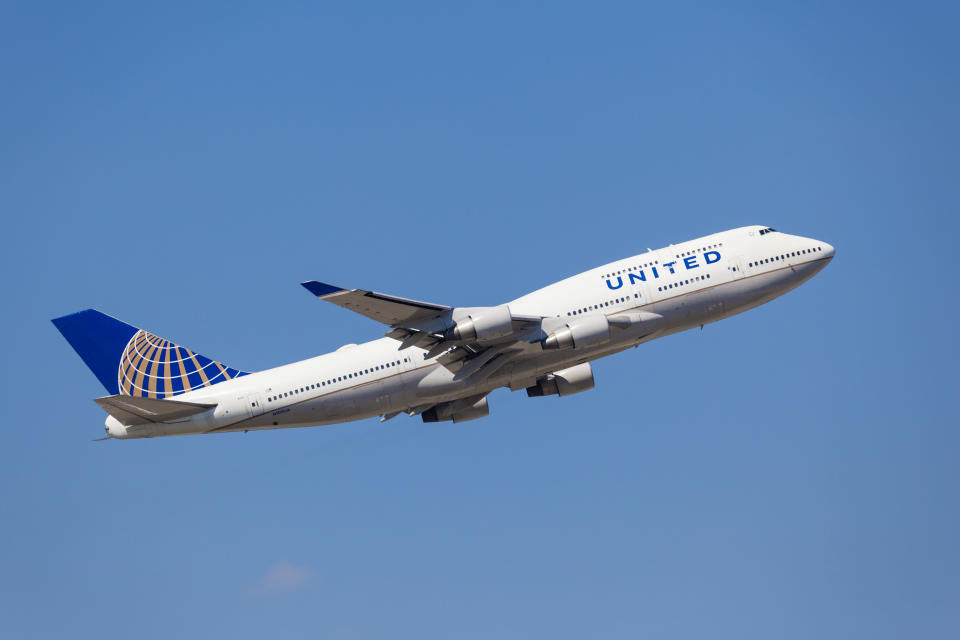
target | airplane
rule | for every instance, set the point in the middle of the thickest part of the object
(437, 361)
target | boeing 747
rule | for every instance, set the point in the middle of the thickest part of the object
(437, 361)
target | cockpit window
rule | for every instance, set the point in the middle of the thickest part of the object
(767, 230)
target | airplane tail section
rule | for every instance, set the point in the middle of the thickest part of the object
(133, 362)
(129, 410)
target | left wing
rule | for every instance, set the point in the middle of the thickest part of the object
(483, 337)
(476, 342)
(390, 310)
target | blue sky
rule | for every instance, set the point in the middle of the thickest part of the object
(790, 472)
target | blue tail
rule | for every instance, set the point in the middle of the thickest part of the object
(134, 362)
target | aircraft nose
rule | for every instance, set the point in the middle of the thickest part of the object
(828, 250)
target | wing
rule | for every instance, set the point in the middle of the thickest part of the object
(473, 342)
(390, 310)
(130, 410)
(476, 340)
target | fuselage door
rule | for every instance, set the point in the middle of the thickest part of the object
(254, 404)
(736, 267)
(382, 394)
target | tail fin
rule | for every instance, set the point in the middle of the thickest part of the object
(134, 362)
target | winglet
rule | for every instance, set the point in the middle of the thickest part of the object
(320, 289)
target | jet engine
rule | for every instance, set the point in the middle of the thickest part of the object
(586, 331)
(458, 410)
(565, 382)
(481, 324)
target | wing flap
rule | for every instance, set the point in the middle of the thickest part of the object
(130, 410)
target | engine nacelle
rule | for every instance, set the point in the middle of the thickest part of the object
(484, 324)
(457, 411)
(565, 382)
(582, 333)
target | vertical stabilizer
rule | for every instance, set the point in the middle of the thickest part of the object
(133, 362)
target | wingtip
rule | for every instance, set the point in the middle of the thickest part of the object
(320, 289)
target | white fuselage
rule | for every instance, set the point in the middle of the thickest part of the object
(675, 288)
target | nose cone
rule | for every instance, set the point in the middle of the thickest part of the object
(828, 251)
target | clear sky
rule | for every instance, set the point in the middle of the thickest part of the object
(788, 473)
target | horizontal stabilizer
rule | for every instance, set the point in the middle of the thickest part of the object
(130, 410)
